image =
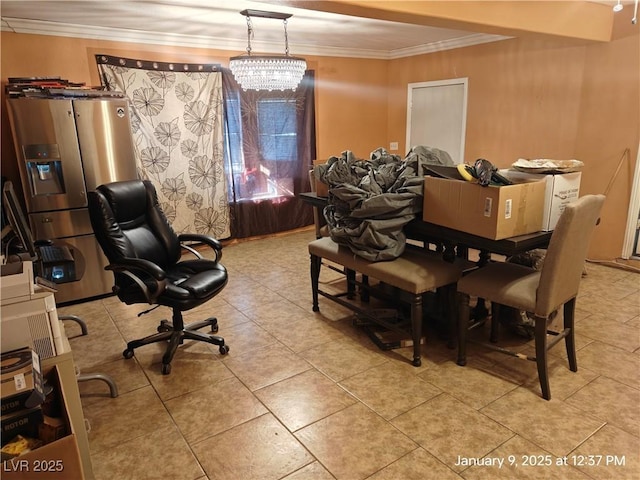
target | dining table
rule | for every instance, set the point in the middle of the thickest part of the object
(455, 242)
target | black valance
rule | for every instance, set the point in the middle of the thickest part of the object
(159, 66)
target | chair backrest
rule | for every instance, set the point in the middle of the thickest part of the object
(316, 219)
(128, 222)
(567, 252)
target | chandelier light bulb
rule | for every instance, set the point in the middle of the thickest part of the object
(617, 7)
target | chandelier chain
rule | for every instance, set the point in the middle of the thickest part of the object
(249, 34)
(267, 72)
(286, 38)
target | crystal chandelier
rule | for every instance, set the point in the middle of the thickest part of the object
(267, 72)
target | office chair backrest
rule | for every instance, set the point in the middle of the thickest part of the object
(567, 252)
(128, 222)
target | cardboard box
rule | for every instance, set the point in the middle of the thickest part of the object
(22, 382)
(489, 212)
(561, 189)
(52, 429)
(56, 460)
(22, 422)
(321, 189)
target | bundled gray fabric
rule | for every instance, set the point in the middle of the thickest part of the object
(370, 201)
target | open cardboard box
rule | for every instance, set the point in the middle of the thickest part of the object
(58, 460)
(489, 212)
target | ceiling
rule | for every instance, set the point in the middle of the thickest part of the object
(218, 24)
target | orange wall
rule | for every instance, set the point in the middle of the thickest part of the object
(351, 106)
(527, 98)
(516, 90)
(609, 122)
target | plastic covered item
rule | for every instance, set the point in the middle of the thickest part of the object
(546, 165)
(482, 172)
(370, 200)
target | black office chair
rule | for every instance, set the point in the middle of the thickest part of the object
(145, 256)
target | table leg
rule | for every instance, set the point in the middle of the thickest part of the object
(480, 311)
(463, 327)
(416, 328)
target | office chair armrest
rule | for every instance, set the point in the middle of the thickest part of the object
(139, 264)
(148, 269)
(213, 243)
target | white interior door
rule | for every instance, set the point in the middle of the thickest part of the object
(437, 115)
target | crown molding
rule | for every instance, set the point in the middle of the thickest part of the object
(450, 44)
(38, 27)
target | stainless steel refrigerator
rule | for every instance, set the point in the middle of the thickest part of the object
(66, 147)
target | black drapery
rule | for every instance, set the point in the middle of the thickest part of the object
(269, 151)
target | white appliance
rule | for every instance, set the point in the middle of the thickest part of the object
(32, 322)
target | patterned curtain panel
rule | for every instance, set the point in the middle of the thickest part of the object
(177, 122)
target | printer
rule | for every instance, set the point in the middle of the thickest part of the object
(28, 312)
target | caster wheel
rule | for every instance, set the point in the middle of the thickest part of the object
(128, 353)
(166, 368)
(162, 329)
(213, 324)
(224, 349)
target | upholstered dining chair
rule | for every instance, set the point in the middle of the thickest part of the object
(145, 256)
(540, 292)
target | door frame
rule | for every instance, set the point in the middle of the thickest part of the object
(464, 81)
(631, 234)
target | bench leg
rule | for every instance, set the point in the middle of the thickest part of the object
(416, 328)
(351, 283)
(364, 292)
(316, 263)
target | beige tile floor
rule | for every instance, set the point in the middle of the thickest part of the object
(306, 395)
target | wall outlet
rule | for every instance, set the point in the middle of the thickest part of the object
(393, 146)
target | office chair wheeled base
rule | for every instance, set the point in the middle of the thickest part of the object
(175, 333)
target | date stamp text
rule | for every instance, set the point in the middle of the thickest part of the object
(33, 465)
(542, 461)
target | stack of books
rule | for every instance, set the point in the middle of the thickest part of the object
(48, 87)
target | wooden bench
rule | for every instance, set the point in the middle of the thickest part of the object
(414, 273)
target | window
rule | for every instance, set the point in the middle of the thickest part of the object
(277, 129)
(262, 141)
(233, 135)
